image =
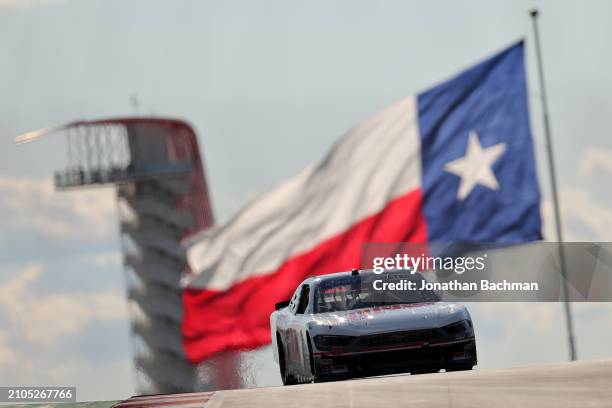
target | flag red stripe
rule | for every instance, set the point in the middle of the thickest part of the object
(238, 318)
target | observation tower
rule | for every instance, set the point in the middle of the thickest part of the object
(158, 174)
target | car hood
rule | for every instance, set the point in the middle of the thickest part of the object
(389, 318)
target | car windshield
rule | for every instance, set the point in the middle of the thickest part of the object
(360, 291)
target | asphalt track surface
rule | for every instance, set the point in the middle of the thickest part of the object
(578, 384)
(585, 384)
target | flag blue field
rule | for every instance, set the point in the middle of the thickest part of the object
(479, 176)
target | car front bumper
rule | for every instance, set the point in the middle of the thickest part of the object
(392, 360)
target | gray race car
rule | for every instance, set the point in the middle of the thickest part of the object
(341, 325)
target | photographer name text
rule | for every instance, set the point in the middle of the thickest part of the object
(454, 285)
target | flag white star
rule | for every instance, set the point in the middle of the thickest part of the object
(476, 166)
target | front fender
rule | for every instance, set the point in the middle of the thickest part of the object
(273, 333)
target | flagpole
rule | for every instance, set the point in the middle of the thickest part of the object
(553, 181)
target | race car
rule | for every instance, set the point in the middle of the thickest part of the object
(345, 325)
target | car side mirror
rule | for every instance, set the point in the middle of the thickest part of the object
(281, 305)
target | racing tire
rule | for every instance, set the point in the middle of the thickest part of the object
(285, 377)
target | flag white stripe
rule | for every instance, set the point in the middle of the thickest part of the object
(374, 163)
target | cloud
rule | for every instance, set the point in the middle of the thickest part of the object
(108, 259)
(100, 380)
(596, 217)
(63, 314)
(8, 357)
(35, 207)
(595, 160)
(49, 318)
(584, 216)
(54, 337)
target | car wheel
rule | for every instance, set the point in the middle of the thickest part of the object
(285, 377)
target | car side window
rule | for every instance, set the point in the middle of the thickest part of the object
(304, 298)
(293, 303)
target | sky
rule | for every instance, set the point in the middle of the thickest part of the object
(269, 86)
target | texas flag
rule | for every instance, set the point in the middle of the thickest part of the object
(454, 164)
